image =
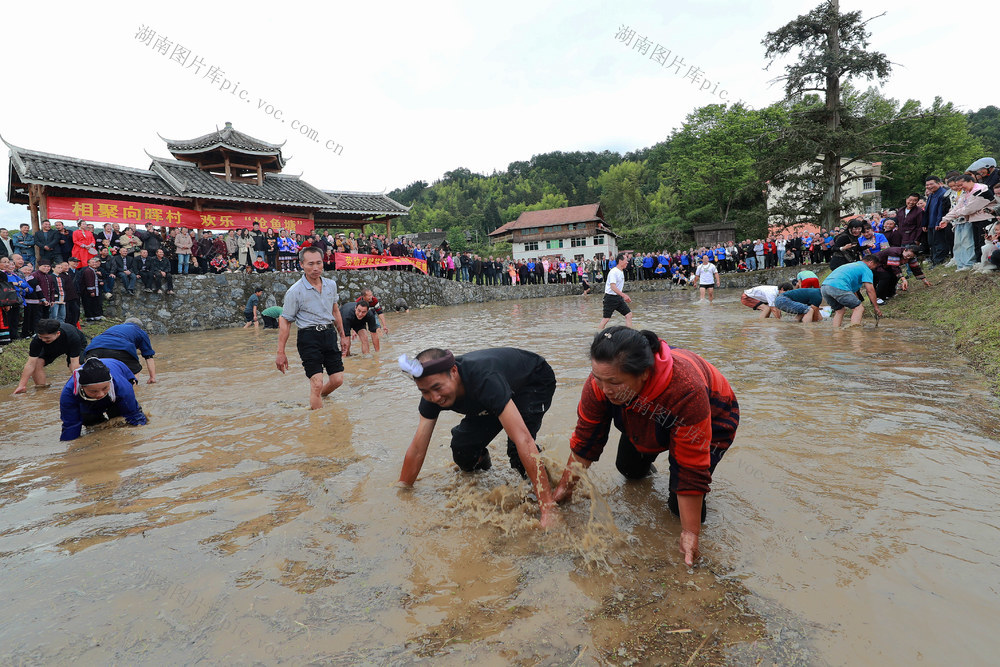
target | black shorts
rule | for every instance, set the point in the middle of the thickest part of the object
(469, 440)
(248, 315)
(369, 323)
(612, 303)
(48, 359)
(104, 353)
(319, 350)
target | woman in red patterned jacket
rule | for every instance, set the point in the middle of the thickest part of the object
(662, 399)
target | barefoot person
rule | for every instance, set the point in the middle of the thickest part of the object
(708, 279)
(614, 298)
(662, 400)
(840, 287)
(498, 388)
(98, 391)
(251, 312)
(312, 304)
(356, 317)
(52, 340)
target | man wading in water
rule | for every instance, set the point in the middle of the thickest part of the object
(500, 388)
(312, 304)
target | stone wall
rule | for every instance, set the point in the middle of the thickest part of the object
(217, 301)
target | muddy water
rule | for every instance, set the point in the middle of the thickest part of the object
(854, 521)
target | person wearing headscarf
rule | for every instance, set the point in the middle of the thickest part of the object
(98, 391)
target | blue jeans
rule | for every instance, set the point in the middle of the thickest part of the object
(465, 273)
(781, 257)
(965, 245)
(183, 262)
(128, 280)
(57, 311)
(109, 284)
(752, 262)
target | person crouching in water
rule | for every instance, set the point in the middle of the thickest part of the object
(499, 388)
(98, 391)
(662, 399)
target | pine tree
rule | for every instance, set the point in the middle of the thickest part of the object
(804, 161)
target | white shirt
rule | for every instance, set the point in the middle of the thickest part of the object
(765, 293)
(706, 274)
(616, 276)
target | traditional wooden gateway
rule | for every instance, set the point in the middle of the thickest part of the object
(222, 180)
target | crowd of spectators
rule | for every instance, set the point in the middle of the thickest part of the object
(62, 274)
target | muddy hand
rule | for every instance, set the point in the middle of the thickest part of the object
(550, 516)
(689, 547)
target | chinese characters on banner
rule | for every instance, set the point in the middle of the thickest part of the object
(347, 260)
(126, 212)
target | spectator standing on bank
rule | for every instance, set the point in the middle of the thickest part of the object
(183, 244)
(24, 243)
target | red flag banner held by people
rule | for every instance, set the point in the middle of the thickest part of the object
(140, 213)
(346, 260)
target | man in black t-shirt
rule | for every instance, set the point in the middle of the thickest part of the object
(357, 317)
(499, 388)
(52, 340)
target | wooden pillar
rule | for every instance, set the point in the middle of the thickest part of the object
(260, 174)
(229, 174)
(34, 198)
(388, 229)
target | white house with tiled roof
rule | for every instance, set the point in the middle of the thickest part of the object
(575, 232)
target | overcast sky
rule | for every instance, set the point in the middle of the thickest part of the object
(411, 90)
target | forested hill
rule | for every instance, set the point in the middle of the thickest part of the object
(708, 170)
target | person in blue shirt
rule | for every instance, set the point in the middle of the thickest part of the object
(871, 241)
(685, 259)
(803, 302)
(24, 243)
(647, 266)
(663, 261)
(840, 287)
(98, 391)
(124, 342)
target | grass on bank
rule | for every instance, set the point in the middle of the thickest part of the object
(964, 305)
(13, 356)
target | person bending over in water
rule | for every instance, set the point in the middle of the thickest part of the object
(662, 399)
(98, 391)
(499, 388)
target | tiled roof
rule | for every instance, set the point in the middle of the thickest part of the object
(227, 137)
(190, 181)
(362, 202)
(180, 180)
(553, 216)
(69, 172)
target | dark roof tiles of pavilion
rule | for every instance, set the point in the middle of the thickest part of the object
(68, 172)
(362, 202)
(227, 137)
(179, 181)
(190, 181)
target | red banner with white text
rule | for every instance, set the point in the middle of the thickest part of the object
(127, 212)
(347, 260)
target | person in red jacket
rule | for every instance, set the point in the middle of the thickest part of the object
(662, 399)
(770, 254)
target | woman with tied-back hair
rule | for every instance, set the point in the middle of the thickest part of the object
(662, 399)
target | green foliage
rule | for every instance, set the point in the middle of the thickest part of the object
(934, 143)
(985, 126)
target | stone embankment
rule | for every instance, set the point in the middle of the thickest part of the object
(216, 301)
